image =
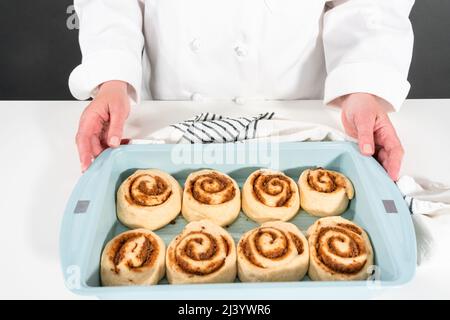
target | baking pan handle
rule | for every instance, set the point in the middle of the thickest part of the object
(395, 214)
(77, 216)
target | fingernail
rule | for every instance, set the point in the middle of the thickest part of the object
(114, 141)
(367, 149)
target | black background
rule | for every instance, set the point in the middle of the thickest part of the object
(38, 51)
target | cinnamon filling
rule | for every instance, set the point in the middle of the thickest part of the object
(274, 253)
(227, 246)
(147, 190)
(277, 253)
(146, 256)
(322, 180)
(267, 186)
(350, 227)
(189, 253)
(248, 253)
(212, 188)
(297, 242)
(344, 242)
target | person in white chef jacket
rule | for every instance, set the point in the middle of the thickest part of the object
(355, 54)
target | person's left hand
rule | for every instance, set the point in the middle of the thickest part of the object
(365, 118)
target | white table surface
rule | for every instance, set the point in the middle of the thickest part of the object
(40, 167)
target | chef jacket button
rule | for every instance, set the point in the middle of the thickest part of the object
(197, 97)
(195, 45)
(239, 100)
(240, 51)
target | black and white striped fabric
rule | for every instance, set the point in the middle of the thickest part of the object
(214, 128)
(426, 198)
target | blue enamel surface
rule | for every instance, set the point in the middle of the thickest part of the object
(83, 236)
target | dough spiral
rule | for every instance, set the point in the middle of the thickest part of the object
(148, 199)
(202, 253)
(275, 251)
(211, 195)
(339, 250)
(135, 257)
(324, 192)
(270, 195)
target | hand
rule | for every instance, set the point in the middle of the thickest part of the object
(101, 124)
(365, 118)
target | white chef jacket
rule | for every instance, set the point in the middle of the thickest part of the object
(245, 49)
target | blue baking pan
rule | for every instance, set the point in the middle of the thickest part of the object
(90, 217)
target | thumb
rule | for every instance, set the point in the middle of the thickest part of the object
(365, 128)
(116, 124)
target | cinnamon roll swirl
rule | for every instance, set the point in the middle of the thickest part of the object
(269, 195)
(134, 257)
(324, 192)
(276, 251)
(339, 250)
(211, 195)
(148, 199)
(202, 253)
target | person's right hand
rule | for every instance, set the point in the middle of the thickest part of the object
(101, 124)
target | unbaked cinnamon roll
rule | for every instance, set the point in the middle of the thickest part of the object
(202, 253)
(339, 250)
(276, 251)
(269, 195)
(148, 199)
(211, 195)
(324, 192)
(134, 257)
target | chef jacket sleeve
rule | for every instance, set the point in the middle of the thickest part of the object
(111, 42)
(368, 48)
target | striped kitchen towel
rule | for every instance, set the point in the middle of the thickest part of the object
(215, 128)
